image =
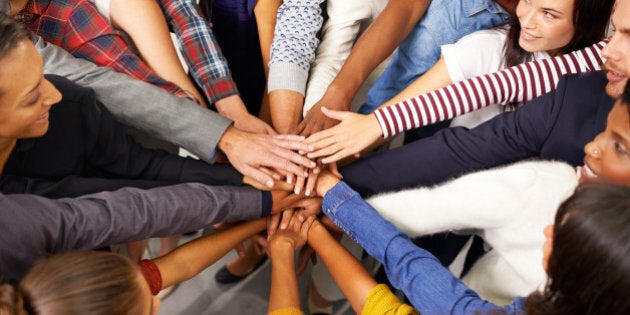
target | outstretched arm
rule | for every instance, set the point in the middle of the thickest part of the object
(188, 260)
(516, 84)
(282, 246)
(411, 269)
(378, 42)
(351, 277)
(207, 64)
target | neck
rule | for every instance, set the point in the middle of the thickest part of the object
(6, 147)
(508, 5)
(17, 6)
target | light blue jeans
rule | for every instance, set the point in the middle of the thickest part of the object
(445, 22)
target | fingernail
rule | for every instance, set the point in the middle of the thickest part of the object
(270, 184)
(308, 192)
(313, 164)
(297, 191)
(289, 181)
(301, 152)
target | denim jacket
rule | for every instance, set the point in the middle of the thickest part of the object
(430, 287)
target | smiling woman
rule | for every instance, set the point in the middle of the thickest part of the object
(25, 95)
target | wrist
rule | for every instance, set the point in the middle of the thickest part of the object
(281, 246)
(326, 182)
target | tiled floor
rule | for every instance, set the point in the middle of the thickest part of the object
(204, 296)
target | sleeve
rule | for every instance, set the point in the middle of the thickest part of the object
(294, 44)
(286, 311)
(515, 84)
(477, 201)
(430, 287)
(88, 35)
(381, 300)
(116, 154)
(140, 104)
(151, 274)
(506, 138)
(338, 36)
(47, 226)
(475, 54)
(200, 49)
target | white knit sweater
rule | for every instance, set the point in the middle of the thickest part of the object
(507, 206)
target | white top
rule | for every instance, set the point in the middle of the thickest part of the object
(508, 207)
(102, 6)
(347, 19)
(478, 53)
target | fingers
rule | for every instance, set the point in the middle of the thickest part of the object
(335, 114)
(240, 249)
(299, 184)
(258, 176)
(291, 144)
(332, 167)
(310, 184)
(273, 221)
(289, 137)
(286, 219)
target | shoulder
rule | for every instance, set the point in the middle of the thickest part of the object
(495, 35)
(69, 90)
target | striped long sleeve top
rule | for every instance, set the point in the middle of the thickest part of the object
(515, 84)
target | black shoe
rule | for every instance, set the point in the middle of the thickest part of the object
(224, 276)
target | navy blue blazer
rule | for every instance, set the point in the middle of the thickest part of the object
(555, 126)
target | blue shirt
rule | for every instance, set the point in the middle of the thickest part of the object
(430, 287)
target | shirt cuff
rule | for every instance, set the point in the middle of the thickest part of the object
(219, 89)
(287, 76)
(267, 203)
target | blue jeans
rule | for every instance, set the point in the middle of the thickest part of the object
(445, 22)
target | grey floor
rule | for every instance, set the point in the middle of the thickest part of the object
(203, 295)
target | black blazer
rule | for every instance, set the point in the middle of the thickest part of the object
(555, 126)
(85, 151)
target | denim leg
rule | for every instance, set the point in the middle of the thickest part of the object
(445, 22)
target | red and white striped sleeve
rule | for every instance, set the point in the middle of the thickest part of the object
(515, 84)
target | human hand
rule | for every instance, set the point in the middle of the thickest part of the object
(295, 233)
(355, 133)
(234, 108)
(307, 206)
(315, 120)
(277, 184)
(249, 152)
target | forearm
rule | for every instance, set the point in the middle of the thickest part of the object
(351, 277)
(284, 287)
(286, 110)
(516, 84)
(190, 259)
(201, 51)
(265, 12)
(378, 42)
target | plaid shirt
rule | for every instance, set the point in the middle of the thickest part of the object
(205, 61)
(76, 26)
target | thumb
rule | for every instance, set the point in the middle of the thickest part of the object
(335, 114)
